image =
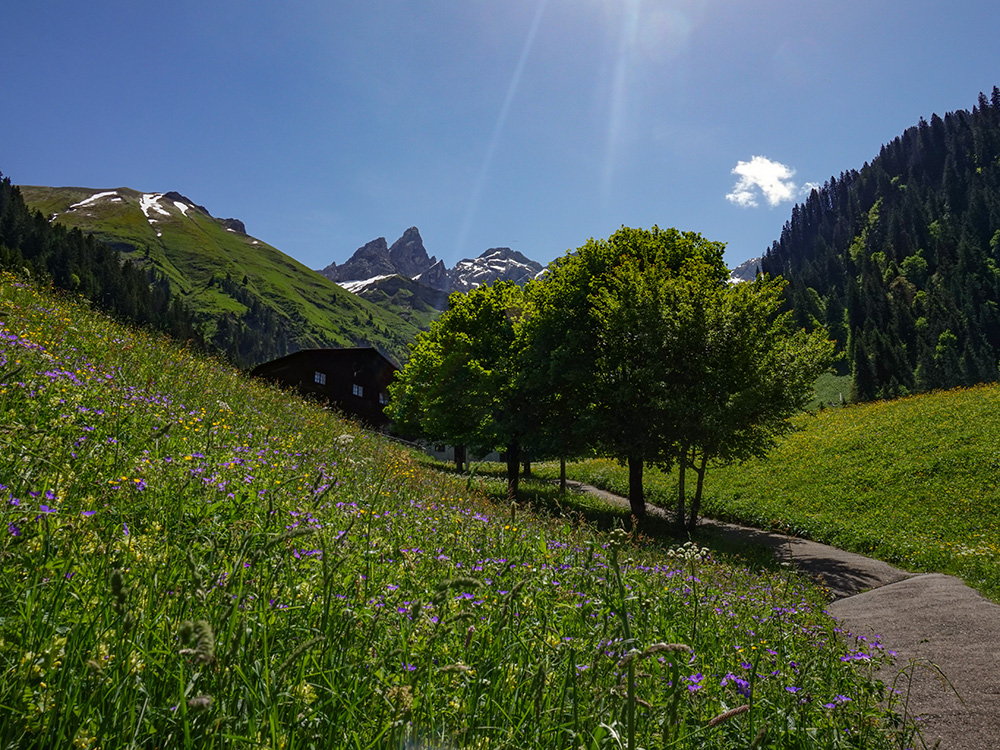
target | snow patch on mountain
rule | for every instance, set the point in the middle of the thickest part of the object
(357, 285)
(149, 202)
(93, 199)
(496, 264)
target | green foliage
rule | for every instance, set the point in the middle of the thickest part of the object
(609, 339)
(192, 559)
(460, 384)
(907, 247)
(659, 360)
(459, 373)
(830, 390)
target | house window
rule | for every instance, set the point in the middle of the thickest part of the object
(357, 390)
(319, 377)
(383, 399)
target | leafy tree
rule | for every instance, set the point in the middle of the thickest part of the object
(748, 371)
(661, 361)
(461, 383)
(604, 340)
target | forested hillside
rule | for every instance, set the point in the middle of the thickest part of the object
(79, 263)
(900, 258)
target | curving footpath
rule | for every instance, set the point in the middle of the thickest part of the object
(939, 628)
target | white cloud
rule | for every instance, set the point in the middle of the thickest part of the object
(763, 177)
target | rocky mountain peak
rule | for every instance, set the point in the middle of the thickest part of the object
(435, 277)
(495, 264)
(408, 255)
(369, 260)
(234, 225)
(745, 271)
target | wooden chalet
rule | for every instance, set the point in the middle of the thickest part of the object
(355, 380)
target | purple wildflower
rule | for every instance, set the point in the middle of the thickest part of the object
(694, 682)
(742, 686)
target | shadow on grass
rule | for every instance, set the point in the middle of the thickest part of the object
(542, 496)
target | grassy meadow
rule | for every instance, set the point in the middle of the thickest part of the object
(915, 482)
(191, 559)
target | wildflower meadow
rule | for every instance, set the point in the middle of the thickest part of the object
(192, 559)
(914, 481)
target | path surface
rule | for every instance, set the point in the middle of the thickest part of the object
(927, 619)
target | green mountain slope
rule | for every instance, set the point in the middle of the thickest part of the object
(410, 300)
(901, 259)
(914, 481)
(242, 290)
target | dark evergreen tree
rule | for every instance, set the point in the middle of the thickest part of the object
(901, 259)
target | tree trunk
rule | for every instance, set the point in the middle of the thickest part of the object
(562, 474)
(459, 458)
(527, 465)
(696, 503)
(681, 515)
(513, 464)
(636, 498)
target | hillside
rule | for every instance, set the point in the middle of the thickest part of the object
(412, 301)
(901, 259)
(914, 481)
(193, 559)
(249, 298)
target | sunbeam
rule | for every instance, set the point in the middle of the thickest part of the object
(473, 206)
(616, 110)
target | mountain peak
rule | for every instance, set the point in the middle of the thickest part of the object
(436, 277)
(173, 195)
(408, 254)
(368, 261)
(408, 257)
(494, 264)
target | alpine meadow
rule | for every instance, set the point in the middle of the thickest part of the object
(192, 557)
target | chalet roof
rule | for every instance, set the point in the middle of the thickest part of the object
(349, 353)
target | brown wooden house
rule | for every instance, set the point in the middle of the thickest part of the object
(355, 380)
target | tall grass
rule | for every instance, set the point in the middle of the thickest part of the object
(190, 559)
(915, 482)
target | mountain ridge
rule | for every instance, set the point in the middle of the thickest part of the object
(899, 259)
(407, 257)
(251, 299)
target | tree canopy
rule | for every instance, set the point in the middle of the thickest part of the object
(461, 382)
(899, 259)
(614, 342)
(636, 346)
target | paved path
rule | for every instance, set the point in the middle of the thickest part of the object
(927, 619)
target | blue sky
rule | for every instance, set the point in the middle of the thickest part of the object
(533, 124)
